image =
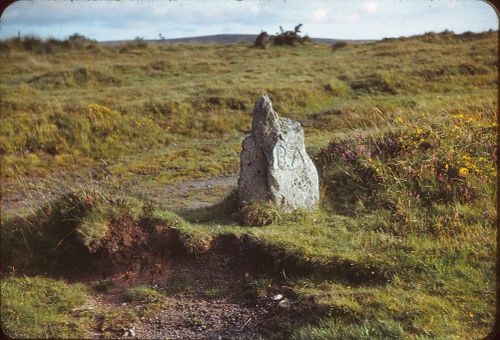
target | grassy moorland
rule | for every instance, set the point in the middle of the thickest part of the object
(403, 132)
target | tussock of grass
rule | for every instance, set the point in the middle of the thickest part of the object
(117, 321)
(103, 286)
(142, 294)
(262, 213)
(194, 239)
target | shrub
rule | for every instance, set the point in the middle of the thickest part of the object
(410, 172)
(262, 40)
(283, 38)
(290, 38)
(338, 45)
(374, 83)
(337, 88)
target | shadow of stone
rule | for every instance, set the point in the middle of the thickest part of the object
(225, 212)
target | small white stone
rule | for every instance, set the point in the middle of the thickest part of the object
(277, 297)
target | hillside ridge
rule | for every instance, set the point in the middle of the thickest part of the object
(227, 39)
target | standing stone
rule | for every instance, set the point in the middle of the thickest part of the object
(274, 164)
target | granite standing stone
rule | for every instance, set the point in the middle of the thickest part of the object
(274, 164)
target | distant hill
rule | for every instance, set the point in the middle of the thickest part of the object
(227, 39)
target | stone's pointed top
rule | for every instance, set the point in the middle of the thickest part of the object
(265, 118)
(263, 105)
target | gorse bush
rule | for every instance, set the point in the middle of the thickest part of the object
(283, 38)
(414, 171)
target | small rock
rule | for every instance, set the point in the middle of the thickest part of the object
(131, 332)
(277, 297)
(125, 334)
(124, 304)
(285, 303)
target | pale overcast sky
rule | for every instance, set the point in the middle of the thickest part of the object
(340, 19)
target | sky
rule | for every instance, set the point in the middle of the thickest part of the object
(335, 19)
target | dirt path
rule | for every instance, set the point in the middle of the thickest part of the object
(191, 194)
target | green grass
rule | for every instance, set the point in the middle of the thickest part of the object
(103, 286)
(142, 294)
(117, 321)
(403, 133)
(38, 307)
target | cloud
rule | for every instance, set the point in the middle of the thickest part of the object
(371, 6)
(452, 4)
(320, 15)
(353, 17)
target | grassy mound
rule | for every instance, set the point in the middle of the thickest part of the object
(76, 224)
(436, 177)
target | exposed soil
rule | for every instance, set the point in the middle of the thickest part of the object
(207, 298)
(212, 296)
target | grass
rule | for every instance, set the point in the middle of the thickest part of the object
(103, 286)
(402, 131)
(38, 307)
(142, 294)
(264, 213)
(117, 321)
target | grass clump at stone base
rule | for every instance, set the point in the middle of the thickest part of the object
(38, 307)
(262, 213)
